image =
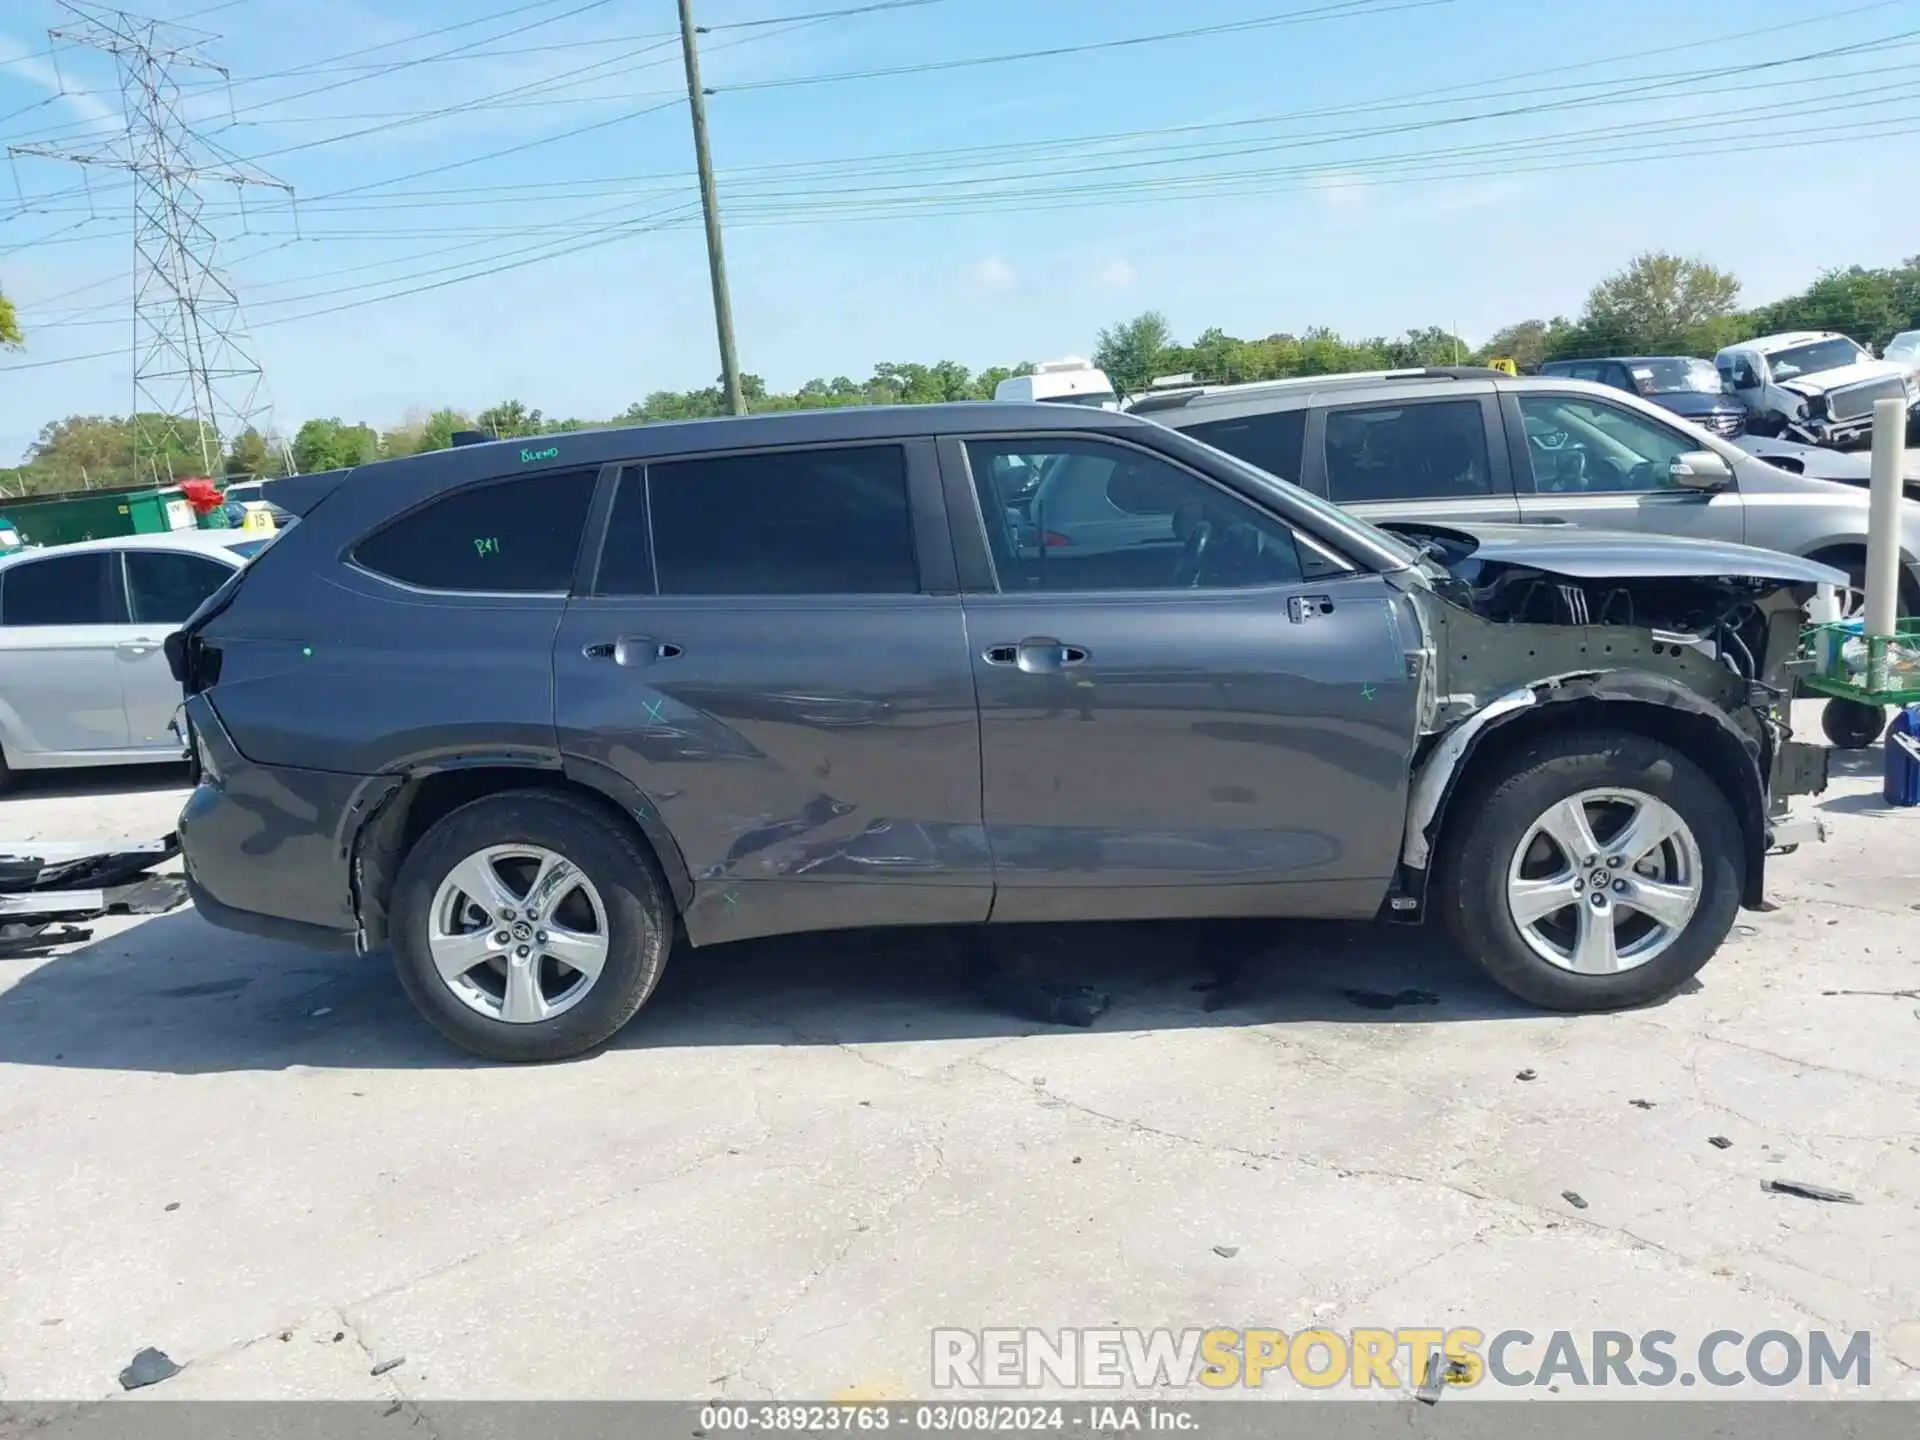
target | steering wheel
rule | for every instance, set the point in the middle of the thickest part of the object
(1643, 477)
(1193, 556)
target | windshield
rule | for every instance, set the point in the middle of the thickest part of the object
(251, 548)
(1812, 359)
(1675, 377)
(1905, 346)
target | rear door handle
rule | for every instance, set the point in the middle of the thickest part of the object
(141, 646)
(1037, 655)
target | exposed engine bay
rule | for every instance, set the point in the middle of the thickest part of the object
(1515, 618)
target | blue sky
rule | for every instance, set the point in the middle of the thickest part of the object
(960, 213)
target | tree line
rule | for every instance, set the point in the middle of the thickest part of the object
(1658, 304)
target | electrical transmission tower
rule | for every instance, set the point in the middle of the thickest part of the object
(195, 382)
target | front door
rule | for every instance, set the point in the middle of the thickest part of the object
(763, 656)
(1219, 723)
(1594, 463)
(62, 621)
(164, 587)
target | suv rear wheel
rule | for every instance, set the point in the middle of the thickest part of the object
(1594, 871)
(528, 926)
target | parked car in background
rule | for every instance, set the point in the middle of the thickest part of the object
(1904, 349)
(526, 720)
(1679, 383)
(1451, 445)
(1815, 386)
(83, 680)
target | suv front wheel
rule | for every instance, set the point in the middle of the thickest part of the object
(1594, 871)
(528, 926)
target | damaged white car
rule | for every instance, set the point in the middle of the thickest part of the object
(1814, 386)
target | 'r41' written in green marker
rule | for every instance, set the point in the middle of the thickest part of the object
(485, 545)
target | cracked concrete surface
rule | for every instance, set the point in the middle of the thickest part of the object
(805, 1155)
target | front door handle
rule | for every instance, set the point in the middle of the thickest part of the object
(142, 646)
(632, 650)
(1037, 655)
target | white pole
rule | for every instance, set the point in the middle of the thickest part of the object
(1883, 515)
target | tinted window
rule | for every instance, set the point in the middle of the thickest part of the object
(795, 522)
(1106, 517)
(1435, 451)
(62, 590)
(514, 536)
(165, 587)
(1580, 446)
(1272, 442)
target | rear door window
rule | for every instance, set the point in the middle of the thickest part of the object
(62, 590)
(164, 587)
(513, 537)
(785, 522)
(1432, 450)
(1272, 442)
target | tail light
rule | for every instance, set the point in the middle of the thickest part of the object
(1054, 540)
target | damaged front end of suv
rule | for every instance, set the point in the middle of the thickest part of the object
(1532, 630)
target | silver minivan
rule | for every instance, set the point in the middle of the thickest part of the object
(1461, 443)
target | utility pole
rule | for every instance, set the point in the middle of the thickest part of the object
(710, 204)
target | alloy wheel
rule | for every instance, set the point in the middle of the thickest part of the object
(1605, 881)
(518, 933)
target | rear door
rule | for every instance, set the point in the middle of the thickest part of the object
(163, 588)
(62, 622)
(1435, 460)
(770, 650)
(1221, 725)
(1588, 461)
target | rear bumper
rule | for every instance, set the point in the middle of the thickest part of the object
(266, 848)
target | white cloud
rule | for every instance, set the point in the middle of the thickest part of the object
(1338, 191)
(992, 276)
(1118, 274)
(29, 65)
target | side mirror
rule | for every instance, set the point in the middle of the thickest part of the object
(1700, 470)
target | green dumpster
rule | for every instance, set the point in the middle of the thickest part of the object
(96, 514)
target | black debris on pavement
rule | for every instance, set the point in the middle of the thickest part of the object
(385, 1365)
(171, 1206)
(1641, 1104)
(1806, 1191)
(1380, 1000)
(1226, 1252)
(393, 1409)
(149, 1367)
(1720, 1142)
(338, 1336)
(1574, 1198)
(1528, 1074)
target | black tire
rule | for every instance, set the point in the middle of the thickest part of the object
(1505, 801)
(1852, 724)
(639, 919)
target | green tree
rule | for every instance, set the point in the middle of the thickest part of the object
(251, 453)
(96, 451)
(10, 336)
(1134, 351)
(1524, 343)
(1661, 304)
(509, 420)
(332, 444)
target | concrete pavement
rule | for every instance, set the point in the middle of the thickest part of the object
(805, 1155)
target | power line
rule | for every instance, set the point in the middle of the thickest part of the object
(1338, 10)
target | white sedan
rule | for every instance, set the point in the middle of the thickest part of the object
(83, 679)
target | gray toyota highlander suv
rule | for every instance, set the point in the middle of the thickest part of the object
(529, 711)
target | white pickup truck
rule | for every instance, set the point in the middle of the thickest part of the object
(1814, 386)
